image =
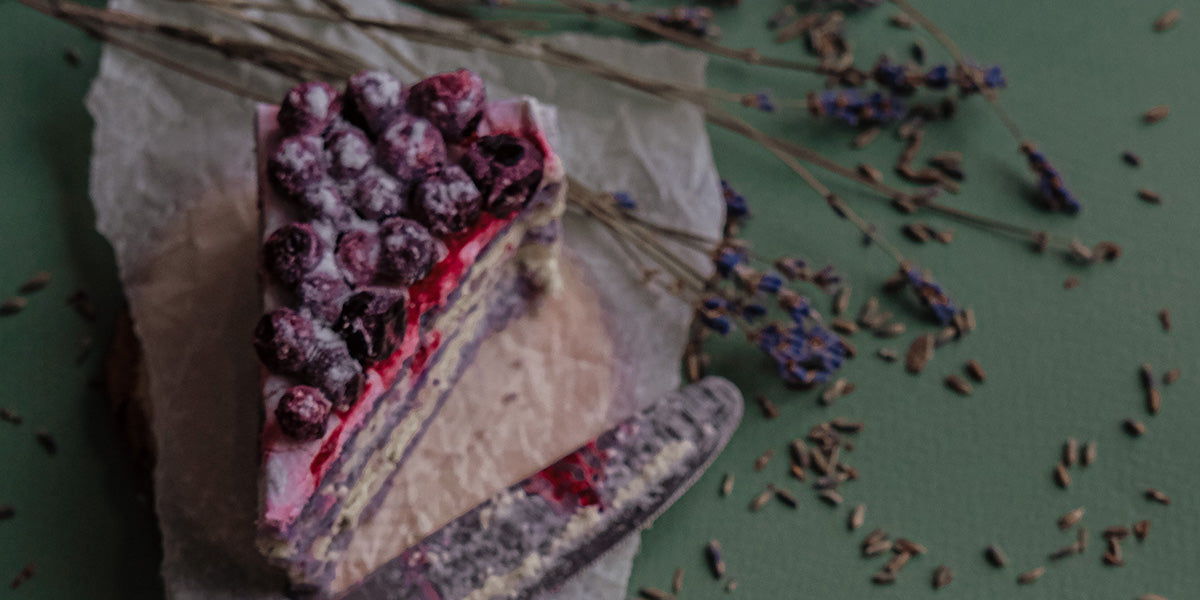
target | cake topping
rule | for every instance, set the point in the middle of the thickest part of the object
(372, 323)
(350, 152)
(408, 251)
(322, 295)
(308, 108)
(357, 256)
(453, 102)
(506, 169)
(291, 252)
(373, 98)
(336, 373)
(282, 339)
(378, 195)
(447, 201)
(297, 164)
(302, 413)
(410, 146)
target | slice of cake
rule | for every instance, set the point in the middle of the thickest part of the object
(400, 225)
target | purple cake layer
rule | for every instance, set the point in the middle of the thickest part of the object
(533, 537)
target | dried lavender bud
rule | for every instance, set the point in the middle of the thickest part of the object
(372, 322)
(291, 252)
(331, 369)
(302, 413)
(408, 251)
(13, 305)
(349, 152)
(447, 201)
(453, 102)
(372, 100)
(46, 441)
(308, 108)
(409, 147)
(39, 281)
(283, 339)
(506, 169)
(298, 163)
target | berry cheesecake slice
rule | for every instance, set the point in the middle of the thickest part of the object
(400, 225)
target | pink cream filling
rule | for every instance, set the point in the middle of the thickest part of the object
(302, 465)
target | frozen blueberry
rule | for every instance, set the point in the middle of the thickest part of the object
(291, 252)
(322, 200)
(372, 99)
(336, 373)
(408, 251)
(506, 169)
(302, 413)
(409, 147)
(378, 195)
(349, 151)
(447, 201)
(283, 339)
(453, 102)
(357, 256)
(298, 163)
(372, 323)
(308, 108)
(322, 295)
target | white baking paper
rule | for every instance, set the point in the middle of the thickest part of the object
(173, 181)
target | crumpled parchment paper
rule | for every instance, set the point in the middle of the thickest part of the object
(173, 183)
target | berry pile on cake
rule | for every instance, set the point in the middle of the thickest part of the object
(400, 225)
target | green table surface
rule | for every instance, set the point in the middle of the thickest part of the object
(953, 473)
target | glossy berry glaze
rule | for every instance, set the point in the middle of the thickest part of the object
(369, 227)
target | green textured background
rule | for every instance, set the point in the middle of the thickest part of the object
(953, 473)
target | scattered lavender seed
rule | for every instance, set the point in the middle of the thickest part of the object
(82, 303)
(831, 497)
(942, 576)
(760, 500)
(1118, 532)
(958, 384)
(1081, 539)
(1131, 159)
(786, 497)
(769, 410)
(902, 21)
(13, 305)
(1164, 317)
(857, 517)
(870, 173)
(891, 330)
(865, 137)
(731, 586)
(1064, 552)
(1141, 529)
(1031, 575)
(1071, 283)
(798, 473)
(800, 455)
(47, 441)
(1071, 452)
(844, 326)
(845, 425)
(887, 354)
(39, 281)
(1153, 395)
(1113, 557)
(907, 546)
(897, 562)
(916, 232)
(920, 352)
(841, 300)
(1134, 428)
(836, 390)
(1167, 20)
(653, 593)
(1090, 451)
(1070, 518)
(677, 581)
(1150, 196)
(884, 578)
(1158, 497)
(1171, 376)
(10, 416)
(6, 512)
(1061, 476)
(24, 575)
(1156, 114)
(715, 562)
(760, 463)
(727, 485)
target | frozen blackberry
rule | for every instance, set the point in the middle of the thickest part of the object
(506, 169)
(308, 108)
(322, 295)
(372, 99)
(409, 147)
(378, 195)
(322, 200)
(408, 251)
(349, 151)
(292, 251)
(302, 413)
(453, 102)
(372, 323)
(283, 340)
(298, 163)
(357, 256)
(446, 201)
